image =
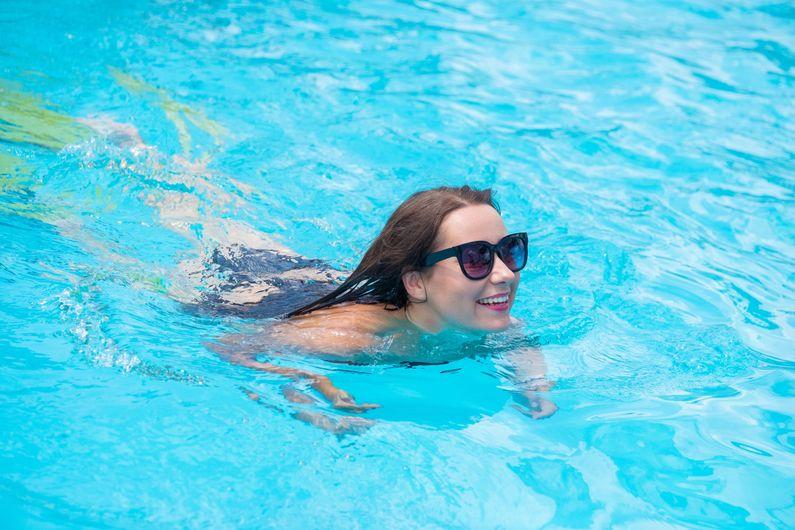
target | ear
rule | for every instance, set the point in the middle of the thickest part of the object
(415, 286)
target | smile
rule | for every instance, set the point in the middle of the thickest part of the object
(497, 303)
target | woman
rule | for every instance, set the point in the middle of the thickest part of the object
(443, 261)
(418, 276)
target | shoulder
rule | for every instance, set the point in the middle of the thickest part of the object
(318, 339)
(342, 328)
(372, 318)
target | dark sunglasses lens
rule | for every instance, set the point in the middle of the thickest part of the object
(513, 252)
(476, 260)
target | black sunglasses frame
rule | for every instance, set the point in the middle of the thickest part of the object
(458, 250)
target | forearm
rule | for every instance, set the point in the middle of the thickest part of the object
(528, 371)
(528, 368)
(321, 383)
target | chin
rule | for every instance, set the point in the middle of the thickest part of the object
(497, 324)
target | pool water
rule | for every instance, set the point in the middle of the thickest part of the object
(646, 147)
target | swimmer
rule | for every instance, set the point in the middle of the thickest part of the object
(404, 286)
(443, 261)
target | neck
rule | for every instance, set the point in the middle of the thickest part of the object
(421, 318)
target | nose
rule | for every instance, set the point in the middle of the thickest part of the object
(500, 273)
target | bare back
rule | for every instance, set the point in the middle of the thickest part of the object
(341, 329)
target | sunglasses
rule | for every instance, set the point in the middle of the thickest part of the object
(476, 259)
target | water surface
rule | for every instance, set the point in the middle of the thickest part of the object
(647, 148)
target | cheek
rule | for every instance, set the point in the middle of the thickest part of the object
(463, 308)
(454, 293)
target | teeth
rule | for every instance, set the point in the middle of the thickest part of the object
(495, 300)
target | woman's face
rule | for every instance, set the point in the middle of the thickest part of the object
(452, 299)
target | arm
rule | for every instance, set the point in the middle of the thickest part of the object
(528, 371)
(529, 368)
(339, 398)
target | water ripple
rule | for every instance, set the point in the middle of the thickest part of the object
(647, 149)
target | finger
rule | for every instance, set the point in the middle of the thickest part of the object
(546, 409)
(355, 407)
(537, 413)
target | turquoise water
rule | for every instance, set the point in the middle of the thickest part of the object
(647, 148)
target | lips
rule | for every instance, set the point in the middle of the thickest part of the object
(499, 302)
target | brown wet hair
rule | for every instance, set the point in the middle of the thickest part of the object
(402, 245)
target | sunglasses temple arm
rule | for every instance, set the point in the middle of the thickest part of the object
(436, 257)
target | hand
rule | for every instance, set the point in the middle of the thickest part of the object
(536, 407)
(344, 401)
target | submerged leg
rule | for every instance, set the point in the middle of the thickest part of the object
(294, 395)
(343, 425)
